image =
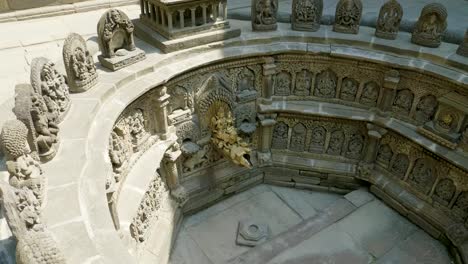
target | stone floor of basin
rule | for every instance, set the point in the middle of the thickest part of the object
(373, 233)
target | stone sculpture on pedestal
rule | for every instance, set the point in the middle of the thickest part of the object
(115, 38)
(32, 110)
(348, 16)
(264, 15)
(24, 170)
(389, 20)
(49, 84)
(463, 48)
(23, 214)
(306, 14)
(79, 64)
(431, 26)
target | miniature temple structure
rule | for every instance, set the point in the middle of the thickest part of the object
(172, 25)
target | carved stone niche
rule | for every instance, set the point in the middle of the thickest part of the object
(120, 151)
(180, 105)
(79, 64)
(348, 16)
(325, 85)
(388, 22)
(431, 26)
(245, 116)
(463, 48)
(349, 89)
(449, 121)
(370, 94)
(303, 83)
(264, 15)
(306, 14)
(280, 136)
(48, 83)
(282, 84)
(24, 170)
(384, 155)
(135, 124)
(298, 138)
(115, 39)
(31, 109)
(317, 142)
(246, 86)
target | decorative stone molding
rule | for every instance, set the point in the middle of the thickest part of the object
(348, 16)
(431, 26)
(306, 14)
(463, 48)
(264, 15)
(33, 111)
(116, 42)
(388, 22)
(79, 64)
(24, 170)
(48, 83)
(23, 214)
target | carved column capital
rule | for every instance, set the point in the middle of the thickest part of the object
(267, 120)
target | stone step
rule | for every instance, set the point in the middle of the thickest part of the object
(306, 229)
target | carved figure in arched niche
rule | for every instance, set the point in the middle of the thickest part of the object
(384, 155)
(326, 84)
(444, 191)
(283, 84)
(47, 130)
(115, 31)
(422, 176)
(431, 25)
(370, 94)
(460, 208)
(136, 124)
(400, 166)
(280, 136)
(403, 101)
(298, 138)
(317, 142)
(348, 16)
(389, 20)
(119, 151)
(264, 13)
(306, 14)
(180, 99)
(335, 145)
(349, 89)
(426, 108)
(303, 83)
(246, 85)
(355, 146)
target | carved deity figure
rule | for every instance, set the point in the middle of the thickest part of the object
(136, 125)
(431, 26)
(326, 84)
(306, 14)
(461, 205)
(283, 84)
(303, 83)
(280, 136)
(246, 81)
(348, 16)
(79, 64)
(370, 94)
(388, 22)
(404, 100)
(119, 152)
(115, 32)
(24, 170)
(264, 14)
(400, 165)
(349, 89)
(180, 99)
(422, 175)
(317, 142)
(336, 142)
(23, 215)
(225, 138)
(445, 190)
(426, 108)
(51, 85)
(298, 138)
(45, 126)
(355, 146)
(463, 48)
(385, 154)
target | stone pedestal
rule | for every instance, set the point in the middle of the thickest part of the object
(449, 120)
(172, 25)
(125, 58)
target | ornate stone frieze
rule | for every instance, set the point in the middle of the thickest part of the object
(246, 90)
(463, 48)
(306, 14)
(23, 214)
(264, 15)
(431, 26)
(48, 83)
(348, 16)
(79, 64)
(24, 170)
(388, 22)
(32, 109)
(116, 42)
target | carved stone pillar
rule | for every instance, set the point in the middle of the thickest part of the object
(267, 122)
(181, 18)
(375, 133)
(391, 81)
(225, 10)
(269, 70)
(169, 20)
(214, 10)
(171, 174)
(204, 13)
(192, 14)
(162, 124)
